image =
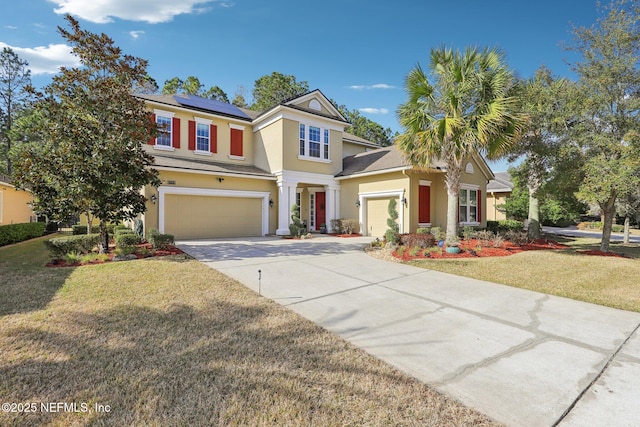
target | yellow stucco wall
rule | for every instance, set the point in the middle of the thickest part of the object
(268, 147)
(350, 149)
(194, 180)
(291, 145)
(14, 208)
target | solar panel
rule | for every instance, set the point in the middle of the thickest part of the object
(210, 105)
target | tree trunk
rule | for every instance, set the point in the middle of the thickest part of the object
(608, 212)
(534, 216)
(103, 246)
(454, 172)
(627, 226)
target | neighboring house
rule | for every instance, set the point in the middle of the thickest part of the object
(498, 190)
(14, 204)
(229, 172)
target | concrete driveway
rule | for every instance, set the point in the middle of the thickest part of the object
(521, 357)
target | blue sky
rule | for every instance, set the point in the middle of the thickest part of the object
(356, 51)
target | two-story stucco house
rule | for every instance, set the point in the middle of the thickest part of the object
(228, 172)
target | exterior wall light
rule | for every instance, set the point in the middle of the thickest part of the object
(153, 199)
(358, 203)
(270, 203)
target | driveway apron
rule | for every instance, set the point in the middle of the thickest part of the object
(521, 357)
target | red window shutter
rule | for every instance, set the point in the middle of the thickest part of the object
(236, 142)
(479, 207)
(192, 135)
(213, 141)
(424, 203)
(152, 140)
(175, 128)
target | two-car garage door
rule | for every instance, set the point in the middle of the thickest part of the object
(203, 217)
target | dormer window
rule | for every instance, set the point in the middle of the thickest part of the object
(313, 142)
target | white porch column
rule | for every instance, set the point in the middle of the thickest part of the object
(286, 199)
(332, 204)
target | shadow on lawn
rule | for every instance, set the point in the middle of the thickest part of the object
(26, 284)
(225, 363)
(631, 250)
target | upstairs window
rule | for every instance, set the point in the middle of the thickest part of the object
(313, 142)
(164, 131)
(202, 137)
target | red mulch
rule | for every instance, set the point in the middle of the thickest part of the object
(469, 249)
(170, 250)
(347, 235)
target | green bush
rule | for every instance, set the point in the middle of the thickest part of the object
(418, 240)
(79, 229)
(127, 243)
(423, 230)
(121, 231)
(505, 225)
(119, 227)
(61, 246)
(467, 232)
(159, 241)
(14, 233)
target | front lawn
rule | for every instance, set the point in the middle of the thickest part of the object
(609, 281)
(168, 341)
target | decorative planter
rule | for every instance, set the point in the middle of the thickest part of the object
(323, 229)
(453, 249)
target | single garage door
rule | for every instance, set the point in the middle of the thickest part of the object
(377, 215)
(206, 217)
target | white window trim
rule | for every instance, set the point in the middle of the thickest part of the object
(206, 122)
(170, 115)
(306, 156)
(237, 127)
(232, 157)
(475, 188)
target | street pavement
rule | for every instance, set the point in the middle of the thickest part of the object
(523, 358)
(573, 231)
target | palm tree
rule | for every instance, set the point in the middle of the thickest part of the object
(465, 109)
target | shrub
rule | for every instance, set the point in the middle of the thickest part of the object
(159, 241)
(391, 233)
(61, 246)
(517, 237)
(498, 241)
(493, 226)
(419, 240)
(484, 237)
(437, 233)
(121, 231)
(414, 251)
(349, 226)
(119, 227)
(14, 233)
(79, 229)
(138, 227)
(127, 243)
(296, 227)
(505, 225)
(423, 230)
(336, 226)
(467, 232)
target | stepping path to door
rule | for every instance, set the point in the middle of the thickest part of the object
(521, 357)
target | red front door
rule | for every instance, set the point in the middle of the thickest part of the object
(321, 216)
(424, 201)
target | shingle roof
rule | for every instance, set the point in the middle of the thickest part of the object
(208, 166)
(502, 183)
(379, 160)
(349, 137)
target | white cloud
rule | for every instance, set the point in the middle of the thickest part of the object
(151, 11)
(376, 86)
(10, 27)
(370, 110)
(45, 59)
(135, 34)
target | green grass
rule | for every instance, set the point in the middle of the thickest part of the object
(609, 281)
(168, 341)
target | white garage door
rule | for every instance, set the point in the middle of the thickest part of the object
(205, 217)
(377, 215)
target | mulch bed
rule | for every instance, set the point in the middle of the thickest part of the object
(473, 249)
(169, 250)
(346, 235)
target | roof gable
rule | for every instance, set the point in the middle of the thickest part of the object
(316, 103)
